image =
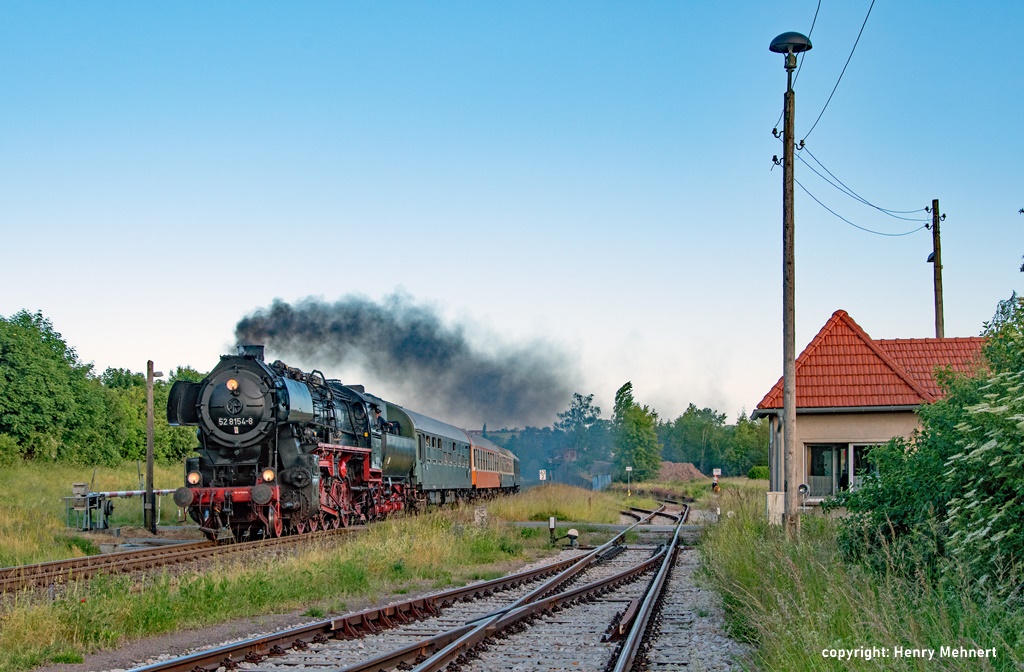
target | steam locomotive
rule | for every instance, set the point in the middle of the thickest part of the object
(283, 451)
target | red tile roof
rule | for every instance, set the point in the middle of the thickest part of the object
(842, 367)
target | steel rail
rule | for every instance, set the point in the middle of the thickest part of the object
(527, 605)
(348, 626)
(375, 620)
(59, 571)
(659, 512)
(630, 647)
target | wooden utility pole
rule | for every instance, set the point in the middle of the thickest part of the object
(789, 308)
(789, 44)
(937, 262)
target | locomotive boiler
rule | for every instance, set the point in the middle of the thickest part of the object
(282, 451)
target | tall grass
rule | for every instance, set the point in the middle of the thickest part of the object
(698, 490)
(32, 512)
(792, 600)
(566, 503)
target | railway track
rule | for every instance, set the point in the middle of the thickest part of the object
(680, 626)
(62, 571)
(591, 612)
(639, 514)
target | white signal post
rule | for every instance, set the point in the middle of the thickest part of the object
(629, 479)
(149, 505)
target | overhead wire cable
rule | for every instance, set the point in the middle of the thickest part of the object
(849, 192)
(804, 53)
(877, 233)
(855, 43)
(852, 192)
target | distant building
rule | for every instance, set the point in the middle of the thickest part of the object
(600, 475)
(854, 392)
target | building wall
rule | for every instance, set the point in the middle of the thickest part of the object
(840, 428)
(854, 427)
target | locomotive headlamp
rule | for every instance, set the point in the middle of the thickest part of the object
(268, 475)
(194, 478)
(232, 384)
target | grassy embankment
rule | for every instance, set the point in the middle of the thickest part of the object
(794, 600)
(32, 513)
(697, 490)
(403, 555)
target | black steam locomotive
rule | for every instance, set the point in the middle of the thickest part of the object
(285, 452)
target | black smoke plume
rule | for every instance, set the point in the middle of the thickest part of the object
(409, 356)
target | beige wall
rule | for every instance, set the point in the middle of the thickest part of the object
(854, 427)
(842, 428)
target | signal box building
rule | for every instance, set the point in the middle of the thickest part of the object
(852, 393)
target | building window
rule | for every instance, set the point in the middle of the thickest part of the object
(825, 468)
(861, 466)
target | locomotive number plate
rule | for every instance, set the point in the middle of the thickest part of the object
(235, 422)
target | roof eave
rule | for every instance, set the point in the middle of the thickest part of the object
(764, 412)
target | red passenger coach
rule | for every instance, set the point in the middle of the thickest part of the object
(493, 468)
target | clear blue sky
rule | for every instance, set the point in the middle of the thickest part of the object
(592, 175)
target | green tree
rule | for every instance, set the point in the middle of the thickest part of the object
(95, 431)
(54, 407)
(636, 437)
(745, 444)
(50, 403)
(697, 436)
(187, 373)
(577, 423)
(1004, 347)
(122, 379)
(37, 398)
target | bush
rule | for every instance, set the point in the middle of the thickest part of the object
(758, 472)
(947, 501)
(985, 477)
(10, 451)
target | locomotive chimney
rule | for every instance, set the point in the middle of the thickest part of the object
(254, 351)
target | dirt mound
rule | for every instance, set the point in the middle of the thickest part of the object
(679, 471)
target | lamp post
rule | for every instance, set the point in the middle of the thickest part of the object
(789, 44)
(149, 504)
(629, 481)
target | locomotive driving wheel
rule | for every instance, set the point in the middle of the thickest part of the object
(274, 525)
(340, 500)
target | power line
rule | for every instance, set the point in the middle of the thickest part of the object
(856, 42)
(804, 53)
(877, 233)
(895, 214)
